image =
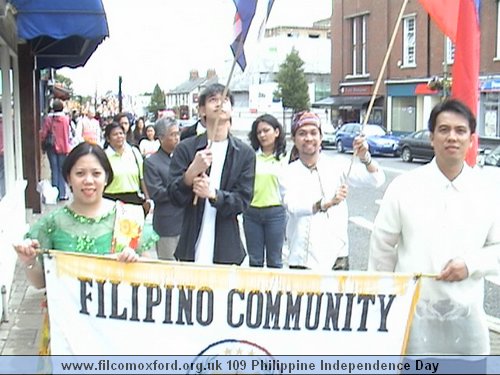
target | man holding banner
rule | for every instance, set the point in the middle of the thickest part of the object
(443, 220)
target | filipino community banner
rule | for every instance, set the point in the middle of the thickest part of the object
(100, 306)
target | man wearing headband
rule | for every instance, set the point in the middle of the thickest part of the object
(314, 188)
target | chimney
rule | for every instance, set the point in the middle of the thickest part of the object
(193, 74)
(211, 73)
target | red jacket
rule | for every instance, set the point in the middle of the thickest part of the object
(58, 122)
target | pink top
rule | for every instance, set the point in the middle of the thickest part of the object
(58, 122)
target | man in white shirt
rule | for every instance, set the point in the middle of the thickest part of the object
(314, 189)
(443, 219)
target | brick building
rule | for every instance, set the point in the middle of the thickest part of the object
(361, 31)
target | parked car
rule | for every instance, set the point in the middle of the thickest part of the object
(379, 141)
(493, 158)
(186, 123)
(491, 166)
(328, 139)
(416, 145)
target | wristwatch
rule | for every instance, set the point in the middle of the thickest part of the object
(214, 199)
(367, 159)
(319, 206)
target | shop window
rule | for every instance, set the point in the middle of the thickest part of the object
(491, 126)
(491, 123)
(404, 117)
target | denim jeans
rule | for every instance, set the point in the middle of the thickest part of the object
(56, 161)
(265, 234)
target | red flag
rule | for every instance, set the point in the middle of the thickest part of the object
(459, 20)
(445, 14)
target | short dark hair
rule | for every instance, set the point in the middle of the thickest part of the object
(119, 116)
(83, 149)
(211, 90)
(110, 127)
(279, 143)
(57, 105)
(455, 106)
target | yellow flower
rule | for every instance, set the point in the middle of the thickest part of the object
(129, 228)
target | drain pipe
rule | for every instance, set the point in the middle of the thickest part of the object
(5, 308)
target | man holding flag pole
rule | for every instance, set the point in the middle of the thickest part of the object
(219, 169)
(215, 167)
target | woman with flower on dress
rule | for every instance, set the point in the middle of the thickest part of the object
(86, 224)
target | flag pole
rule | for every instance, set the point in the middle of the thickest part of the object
(379, 79)
(224, 95)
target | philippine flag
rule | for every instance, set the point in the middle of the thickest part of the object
(246, 11)
(459, 20)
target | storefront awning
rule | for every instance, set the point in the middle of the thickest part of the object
(344, 101)
(424, 89)
(491, 85)
(61, 32)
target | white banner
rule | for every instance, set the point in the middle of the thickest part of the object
(100, 306)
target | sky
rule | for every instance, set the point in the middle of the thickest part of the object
(160, 41)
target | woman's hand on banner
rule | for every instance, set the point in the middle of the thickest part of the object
(27, 251)
(128, 255)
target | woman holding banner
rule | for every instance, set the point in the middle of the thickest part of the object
(85, 225)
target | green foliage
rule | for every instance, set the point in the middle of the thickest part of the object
(157, 102)
(292, 83)
(65, 81)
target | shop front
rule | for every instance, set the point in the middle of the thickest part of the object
(409, 104)
(488, 125)
(352, 105)
(33, 35)
(12, 183)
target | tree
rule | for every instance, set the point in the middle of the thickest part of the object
(65, 81)
(157, 102)
(292, 84)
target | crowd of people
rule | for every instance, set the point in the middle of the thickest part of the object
(201, 185)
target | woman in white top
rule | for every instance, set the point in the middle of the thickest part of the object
(150, 144)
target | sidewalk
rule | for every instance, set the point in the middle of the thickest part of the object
(20, 335)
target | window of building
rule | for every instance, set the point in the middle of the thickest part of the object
(409, 42)
(498, 30)
(358, 32)
(450, 51)
(404, 117)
